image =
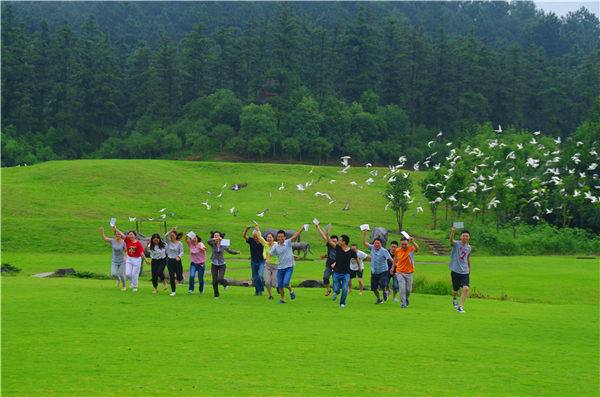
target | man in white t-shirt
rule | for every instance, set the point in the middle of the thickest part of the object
(356, 268)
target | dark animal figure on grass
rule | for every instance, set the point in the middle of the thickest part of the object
(380, 232)
(301, 247)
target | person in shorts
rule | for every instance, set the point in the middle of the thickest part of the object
(379, 267)
(356, 268)
(460, 267)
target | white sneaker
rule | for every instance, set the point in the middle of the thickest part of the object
(216, 297)
(343, 306)
(395, 300)
(334, 296)
(172, 294)
(225, 287)
(455, 303)
(184, 281)
(135, 290)
(460, 310)
(201, 292)
(190, 292)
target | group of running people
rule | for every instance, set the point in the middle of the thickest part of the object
(272, 262)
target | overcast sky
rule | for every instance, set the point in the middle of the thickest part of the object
(562, 7)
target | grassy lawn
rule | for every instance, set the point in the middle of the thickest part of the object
(70, 336)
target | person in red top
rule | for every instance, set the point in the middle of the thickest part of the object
(404, 262)
(135, 253)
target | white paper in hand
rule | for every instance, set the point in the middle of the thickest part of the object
(365, 227)
(458, 225)
(225, 241)
(113, 221)
(316, 221)
(191, 234)
(326, 228)
(306, 227)
(405, 234)
(256, 223)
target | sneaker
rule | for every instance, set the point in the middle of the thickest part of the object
(216, 297)
(271, 298)
(407, 302)
(343, 306)
(403, 307)
(173, 294)
(455, 303)
(293, 295)
(256, 294)
(334, 296)
(260, 294)
(184, 281)
(379, 302)
(385, 296)
(190, 292)
(281, 301)
(460, 310)
(225, 287)
(202, 291)
(327, 293)
(395, 300)
(135, 290)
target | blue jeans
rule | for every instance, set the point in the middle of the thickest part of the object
(344, 279)
(284, 276)
(258, 271)
(200, 269)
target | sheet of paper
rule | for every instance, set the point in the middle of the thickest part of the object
(306, 227)
(326, 228)
(405, 234)
(225, 241)
(113, 221)
(458, 225)
(191, 234)
(365, 227)
(316, 221)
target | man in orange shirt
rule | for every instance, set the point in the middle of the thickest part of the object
(404, 261)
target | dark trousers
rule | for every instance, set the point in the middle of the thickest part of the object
(218, 276)
(175, 268)
(158, 270)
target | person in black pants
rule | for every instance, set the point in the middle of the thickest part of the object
(158, 252)
(174, 255)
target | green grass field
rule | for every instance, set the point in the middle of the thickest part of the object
(70, 336)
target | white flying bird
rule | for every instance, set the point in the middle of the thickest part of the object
(300, 186)
(162, 209)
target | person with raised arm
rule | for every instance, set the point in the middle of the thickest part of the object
(135, 254)
(117, 260)
(379, 267)
(404, 267)
(460, 267)
(217, 260)
(341, 268)
(285, 268)
(197, 261)
(330, 259)
(257, 260)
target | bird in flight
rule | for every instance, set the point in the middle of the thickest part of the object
(347, 207)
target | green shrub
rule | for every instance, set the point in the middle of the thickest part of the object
(97, 276)
(424, 284)
(9, 270)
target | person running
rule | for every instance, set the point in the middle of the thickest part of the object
(174, 255)
(341, 267)
(158, 252)
(270, 277)
(285, 267)
(117, 260)
(257, 260)
(460, 267)
(391, 275)
(135, 254)
(330, 259)
(217, 260)
(379, 267)
(356, 268)
(197, 261)
(404, 266)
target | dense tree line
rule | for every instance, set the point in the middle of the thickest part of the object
(283, 80)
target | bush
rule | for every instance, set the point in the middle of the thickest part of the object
(423, 284)
(97, 276)
(9, 270)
